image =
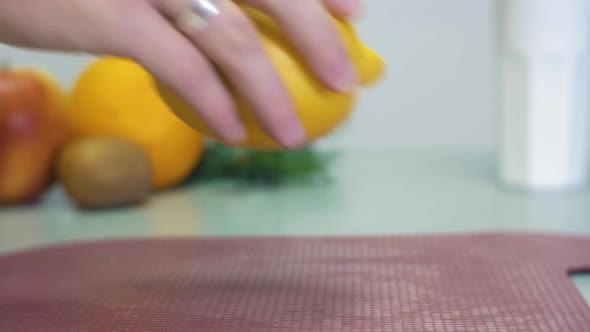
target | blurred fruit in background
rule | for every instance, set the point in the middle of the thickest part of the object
(320, 109)
(126, 135)
(104, 172)
(32, 128)
(117, 97)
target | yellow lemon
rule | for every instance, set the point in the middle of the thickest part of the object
(319, 109)
(118, 97)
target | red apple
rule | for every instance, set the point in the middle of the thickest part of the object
(32, 128)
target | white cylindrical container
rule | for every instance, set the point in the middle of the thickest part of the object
(544, 68)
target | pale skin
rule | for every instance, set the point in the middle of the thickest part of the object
(142, 30)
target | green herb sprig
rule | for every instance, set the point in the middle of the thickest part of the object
(222, 162)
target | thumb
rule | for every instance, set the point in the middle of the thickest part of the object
(345, 8)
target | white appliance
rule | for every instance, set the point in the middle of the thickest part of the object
(544, 72)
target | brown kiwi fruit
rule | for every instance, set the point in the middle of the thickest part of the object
(102, 172)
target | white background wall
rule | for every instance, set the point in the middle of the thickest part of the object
(439, 88)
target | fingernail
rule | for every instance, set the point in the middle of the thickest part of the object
(345, 80)
(353, 7)
(293, 136)
(235, 133)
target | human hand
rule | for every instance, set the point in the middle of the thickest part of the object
(144, 31)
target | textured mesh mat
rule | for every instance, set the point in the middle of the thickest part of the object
(480, 283)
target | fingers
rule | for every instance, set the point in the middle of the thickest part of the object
(165, 53)
(230, 41)
(345, 8)
(310, 28)
(227, 45)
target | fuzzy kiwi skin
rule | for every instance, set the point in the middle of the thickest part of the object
(103, 172)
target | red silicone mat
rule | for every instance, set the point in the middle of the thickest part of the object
(479, 283)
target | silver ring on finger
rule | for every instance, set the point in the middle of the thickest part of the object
(196, 16)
